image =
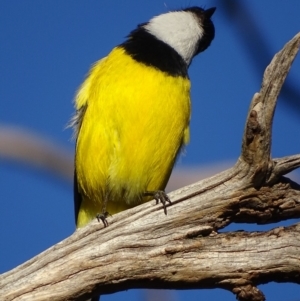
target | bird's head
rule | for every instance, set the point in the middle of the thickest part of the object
(188, 31)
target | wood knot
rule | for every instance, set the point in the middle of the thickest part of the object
(248, 293)
(253, 127)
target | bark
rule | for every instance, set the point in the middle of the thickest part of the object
(143, 248)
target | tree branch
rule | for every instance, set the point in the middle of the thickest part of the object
(17, 144)
(256, 145)
(142, 248)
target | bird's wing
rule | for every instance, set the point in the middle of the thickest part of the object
(77, 197)
(81, 105)
(76, 124)
(82, 99)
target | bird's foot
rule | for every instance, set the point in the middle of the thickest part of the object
(103, 217)
(161, 197)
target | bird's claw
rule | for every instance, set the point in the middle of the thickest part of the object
(103, 217)
(161, 197)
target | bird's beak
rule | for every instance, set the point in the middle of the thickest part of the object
(209, 12)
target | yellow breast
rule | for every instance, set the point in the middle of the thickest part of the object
(136, 121)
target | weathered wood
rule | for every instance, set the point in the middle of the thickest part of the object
(143, 248)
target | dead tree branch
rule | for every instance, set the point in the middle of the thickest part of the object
(142, 248)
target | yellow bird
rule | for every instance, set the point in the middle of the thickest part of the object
(133, 113)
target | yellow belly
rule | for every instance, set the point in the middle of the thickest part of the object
(135, 123)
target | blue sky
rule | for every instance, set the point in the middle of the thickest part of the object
(47, 48)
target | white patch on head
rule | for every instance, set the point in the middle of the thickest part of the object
(179, 29)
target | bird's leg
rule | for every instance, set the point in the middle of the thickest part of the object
(103, 216)
(159, 196)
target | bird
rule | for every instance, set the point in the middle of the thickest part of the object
(132, 114)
